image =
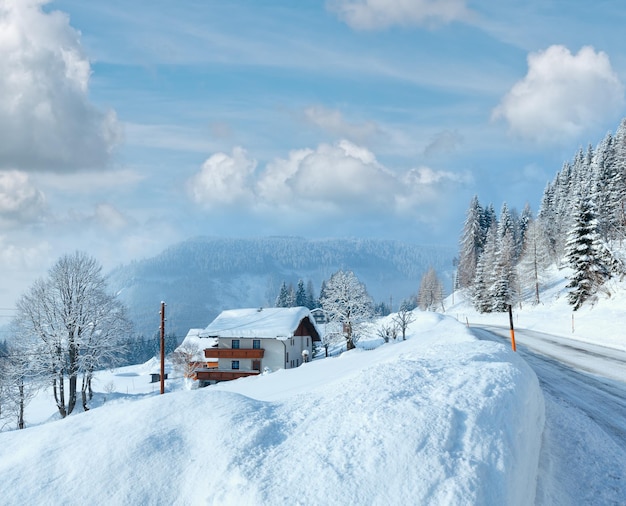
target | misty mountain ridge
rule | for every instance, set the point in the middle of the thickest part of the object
(200, 277)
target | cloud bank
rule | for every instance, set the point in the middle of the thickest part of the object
(46, 118)
(341, 179)
(380, 14)
(20, 201)
(562, 95)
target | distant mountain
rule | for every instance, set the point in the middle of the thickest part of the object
(200, 277)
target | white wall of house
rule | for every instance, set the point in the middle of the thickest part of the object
(279, 353)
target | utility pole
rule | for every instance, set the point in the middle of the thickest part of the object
(162, 347)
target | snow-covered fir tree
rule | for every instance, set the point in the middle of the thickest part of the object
(286, 296)
(300, 297)
(485, 270)
(523, 247)
(472, 241)
(585, 254)
(503, 288)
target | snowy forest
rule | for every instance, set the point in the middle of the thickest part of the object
(580, 224)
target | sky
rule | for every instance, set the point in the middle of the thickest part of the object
(126, 127)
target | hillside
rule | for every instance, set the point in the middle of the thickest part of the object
(600, 320)
(200, 277)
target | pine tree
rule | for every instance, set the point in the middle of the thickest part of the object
(585, 255)
(311, 301)
(283, 296)
(300, 297)
(548, 219)
(503, 288)
(484, 279)
(472, 241)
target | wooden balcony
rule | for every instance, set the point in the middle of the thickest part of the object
(235, 353)
(217, 375)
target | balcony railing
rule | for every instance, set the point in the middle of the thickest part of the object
(216, 375)
(234, 353)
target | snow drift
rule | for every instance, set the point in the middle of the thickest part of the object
(438, 419)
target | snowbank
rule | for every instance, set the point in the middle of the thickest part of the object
(438, 419)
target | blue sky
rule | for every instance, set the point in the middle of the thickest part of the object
(128, 126)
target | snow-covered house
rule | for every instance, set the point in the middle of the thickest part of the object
(253, 340)
(192, 351)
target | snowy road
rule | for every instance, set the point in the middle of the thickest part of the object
(583, 457)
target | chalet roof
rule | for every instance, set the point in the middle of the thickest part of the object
(193, 339)
(273, 322)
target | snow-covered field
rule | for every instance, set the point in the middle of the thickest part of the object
(441, 418)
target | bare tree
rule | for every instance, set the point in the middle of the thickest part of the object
(74, 324)
(535, 258)
(17, 384)
(387, 332)
(347, 303)
(329, 338)
(185, 358)
(403, 319)
(430, 294)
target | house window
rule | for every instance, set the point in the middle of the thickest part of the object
(235, 344)
(256, 365)
(256, 344)
(307, 342)
(234, 364)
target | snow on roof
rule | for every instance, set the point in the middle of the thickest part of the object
(273, 322)
(193, 339)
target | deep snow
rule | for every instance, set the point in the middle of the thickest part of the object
(582, 370)
(441, 418)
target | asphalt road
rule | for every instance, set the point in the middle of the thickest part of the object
(588, 377)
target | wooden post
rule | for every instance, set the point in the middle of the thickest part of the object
(162, 348)
(512, 329)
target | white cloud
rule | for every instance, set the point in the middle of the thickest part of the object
(342, 179)
(342, 176)
(333, 122)
(273, 185)
(46, 118)
(561, 95)
(379, 14)
(223, 180)
(20, 201)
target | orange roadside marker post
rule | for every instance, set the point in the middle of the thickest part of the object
(512, 329)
